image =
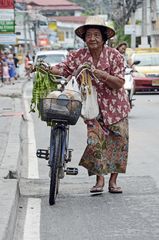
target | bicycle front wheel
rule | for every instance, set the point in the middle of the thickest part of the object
(55, 159)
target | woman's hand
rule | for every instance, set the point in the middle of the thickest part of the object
(80, 68)
(55, 71)
(112, 82)
(101, 75)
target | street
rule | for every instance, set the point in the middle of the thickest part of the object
(100, 43)
(78, 215)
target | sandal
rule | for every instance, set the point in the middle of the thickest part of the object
(115, 190)
(96, 189)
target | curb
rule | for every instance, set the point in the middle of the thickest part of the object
(8, 207)
(10, 165)
(11, 159)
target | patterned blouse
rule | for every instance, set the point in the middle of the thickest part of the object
(113, 104)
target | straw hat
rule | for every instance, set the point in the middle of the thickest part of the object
(94, 21)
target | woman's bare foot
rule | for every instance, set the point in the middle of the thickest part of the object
(99, 185)
(100, 181)
(113, 188)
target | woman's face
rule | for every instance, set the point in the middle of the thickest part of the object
(93, 38)
(122, 49)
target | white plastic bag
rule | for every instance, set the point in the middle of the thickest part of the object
(90, 107)
(72, 89)
(72, 85)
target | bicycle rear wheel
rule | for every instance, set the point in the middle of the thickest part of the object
(55, 158)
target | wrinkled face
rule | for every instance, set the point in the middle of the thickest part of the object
(122, 49)
(93, 38)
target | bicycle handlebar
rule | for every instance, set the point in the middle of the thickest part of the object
(45, 67)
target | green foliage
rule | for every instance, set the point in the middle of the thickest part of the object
(120, 36)
(138, 22)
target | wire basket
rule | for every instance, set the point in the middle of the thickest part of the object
(60, 110)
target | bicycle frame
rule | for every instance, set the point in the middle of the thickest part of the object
(64, 134)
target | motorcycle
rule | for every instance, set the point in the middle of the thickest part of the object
(129, 85)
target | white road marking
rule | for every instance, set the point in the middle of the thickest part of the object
(32, 220)
(33, 169)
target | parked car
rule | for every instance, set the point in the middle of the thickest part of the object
(52, 56)
(147, 76)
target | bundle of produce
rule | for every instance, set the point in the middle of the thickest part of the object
(42, 86)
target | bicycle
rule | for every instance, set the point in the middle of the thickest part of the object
(60, 113)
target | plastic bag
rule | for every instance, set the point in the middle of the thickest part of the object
(90, 107)
(72, 90)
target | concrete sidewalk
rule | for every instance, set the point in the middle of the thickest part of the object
(11, 117)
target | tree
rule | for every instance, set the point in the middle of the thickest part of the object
(123, 9)
(119, 11)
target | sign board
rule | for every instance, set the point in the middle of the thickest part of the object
(60, 36)
(8, 39)
(52, 26)
(6, 4)
(42, 40)
(7, 23)
(129, 29)
(7, 14)
(7, 26)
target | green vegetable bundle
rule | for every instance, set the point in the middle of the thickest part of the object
(42, 86)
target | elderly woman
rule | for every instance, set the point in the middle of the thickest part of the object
(107, 147)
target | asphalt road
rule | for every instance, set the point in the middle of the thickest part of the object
(78, 215)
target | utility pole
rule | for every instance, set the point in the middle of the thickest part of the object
(30, 36)
(133, 22)
(154, 23)
(133, 34)
(35, 31)
(25, 33)
(144, 38)
(25, 19)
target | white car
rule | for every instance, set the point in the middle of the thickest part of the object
(51, 56)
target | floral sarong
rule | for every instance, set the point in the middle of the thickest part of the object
(107, 148)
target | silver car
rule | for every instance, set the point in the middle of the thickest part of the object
(51, 56)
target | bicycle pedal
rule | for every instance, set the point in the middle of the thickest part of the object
(42, 153)
(71, 171)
